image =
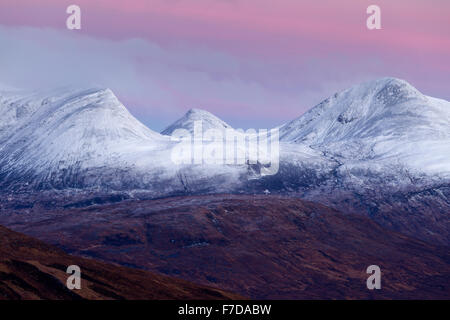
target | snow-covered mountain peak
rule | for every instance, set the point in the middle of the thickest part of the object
(352, 112)
(194, 112)
(187, 122)
(19, 105)
(382, 119)
(69, 129)
(94, 110)
(86, 137)
(387, 91)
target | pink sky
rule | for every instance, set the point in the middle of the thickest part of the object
(290, 52)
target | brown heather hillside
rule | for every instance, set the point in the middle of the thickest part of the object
(31, 269)
(260, 246)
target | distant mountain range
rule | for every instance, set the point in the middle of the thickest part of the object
(83, 138)
(380, 148)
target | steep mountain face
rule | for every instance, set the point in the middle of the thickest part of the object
(61, 138)
(390, 146)
(32, 270)
(380, 123)
(363, 106)
(187, 122)
(94, 116)
(263, 247)
(86, 139)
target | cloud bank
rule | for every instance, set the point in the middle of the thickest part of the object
(252, 65)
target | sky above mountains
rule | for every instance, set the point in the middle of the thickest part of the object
(254, 63)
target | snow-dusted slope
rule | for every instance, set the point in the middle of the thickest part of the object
(58, 135)
(385, 122)
(187, 122)
(383, 131)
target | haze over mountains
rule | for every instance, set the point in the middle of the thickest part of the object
(378, 148)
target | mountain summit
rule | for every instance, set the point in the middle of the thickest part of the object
(383, 120)
(209, 121)
(56, 136)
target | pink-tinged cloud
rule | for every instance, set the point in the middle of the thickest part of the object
(243, 57)
(250, 24)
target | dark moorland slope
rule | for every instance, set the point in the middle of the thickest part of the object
(31, 269)
(256, 245)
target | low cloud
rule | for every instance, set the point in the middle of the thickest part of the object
(158, 84)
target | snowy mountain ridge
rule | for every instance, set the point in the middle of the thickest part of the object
(80, 137)
(386, 121)
(56, 137)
